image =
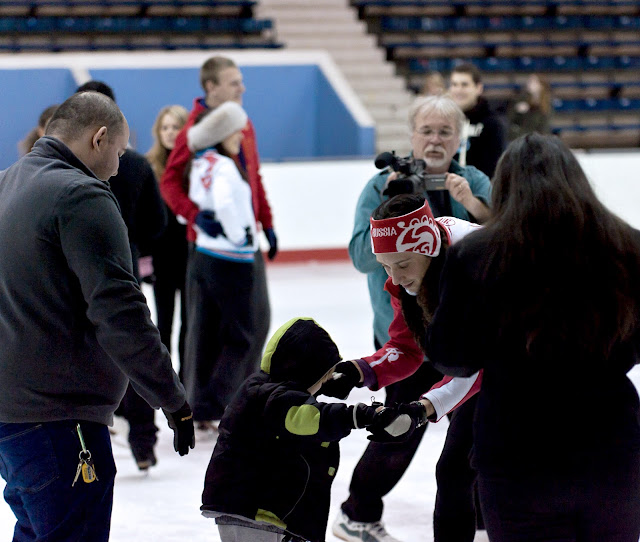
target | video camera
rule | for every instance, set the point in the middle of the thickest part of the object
(412, 177)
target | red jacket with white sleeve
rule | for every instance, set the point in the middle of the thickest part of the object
(172, 185)
(401, 356)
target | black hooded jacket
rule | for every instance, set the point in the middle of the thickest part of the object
(277, 451)
(487, 137)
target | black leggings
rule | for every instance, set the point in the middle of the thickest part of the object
(383, 464)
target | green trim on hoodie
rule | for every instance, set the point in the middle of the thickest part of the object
(302, 420)
(272, 345)
(270, 517)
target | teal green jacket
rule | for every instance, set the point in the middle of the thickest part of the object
(360, 244)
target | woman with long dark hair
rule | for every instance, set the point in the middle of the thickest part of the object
(546, 299)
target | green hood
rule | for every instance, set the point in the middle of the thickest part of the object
(300, 351)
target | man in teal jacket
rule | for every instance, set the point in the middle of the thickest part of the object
(436, 123)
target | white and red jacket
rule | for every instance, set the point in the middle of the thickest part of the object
(401, 356)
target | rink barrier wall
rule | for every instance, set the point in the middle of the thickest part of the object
(301, 105)
(313, 203)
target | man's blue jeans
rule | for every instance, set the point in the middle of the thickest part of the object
(39, 462)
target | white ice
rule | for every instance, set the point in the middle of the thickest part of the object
(164, 505)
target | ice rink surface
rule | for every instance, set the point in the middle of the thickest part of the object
(163, 506)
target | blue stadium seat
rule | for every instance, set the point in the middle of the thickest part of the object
(11, 24)
(190, 24)
(111, 24)
(432, 64)
(150, 24)
(560, 62)
(469, 24)
(492, 64)
(75, 24)
(627, 62)
(40, 24)
(534, 63)
(504, 24)
(624, 22)
(599, 62)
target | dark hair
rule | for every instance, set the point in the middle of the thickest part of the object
(85, 110)
(417, 310)
(471, 69)
(571, 263)
(97, 86)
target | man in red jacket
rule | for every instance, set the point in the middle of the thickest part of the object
(222, 81)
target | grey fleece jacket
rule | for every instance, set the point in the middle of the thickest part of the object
(73, 321)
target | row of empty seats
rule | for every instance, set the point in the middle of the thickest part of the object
(416, 23)
(55, 44)
(18, 25)
(525, 64)
(504, 45)
(369, 8)
(99, 25)
(44, 8)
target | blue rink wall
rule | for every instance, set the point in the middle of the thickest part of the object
(297, 112)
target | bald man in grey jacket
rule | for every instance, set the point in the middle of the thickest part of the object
(74, 327)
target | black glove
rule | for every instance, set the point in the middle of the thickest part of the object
(363, 414)
(206, 221)
(273, 243)
(181, 421)
(397, 423)
(345, 377)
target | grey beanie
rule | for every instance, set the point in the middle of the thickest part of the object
(216, 126)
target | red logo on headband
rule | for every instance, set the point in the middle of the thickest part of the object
(416, 231)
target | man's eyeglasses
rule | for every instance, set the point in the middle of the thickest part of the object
(444, 134)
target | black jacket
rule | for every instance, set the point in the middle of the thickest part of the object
(487, 138)
(143, 210)
(553, 412)
(277, 451)
(73, 321)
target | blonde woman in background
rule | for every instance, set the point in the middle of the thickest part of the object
(170, 252)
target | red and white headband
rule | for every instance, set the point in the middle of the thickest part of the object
(416, 231)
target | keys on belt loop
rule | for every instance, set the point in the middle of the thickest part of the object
(85, 465)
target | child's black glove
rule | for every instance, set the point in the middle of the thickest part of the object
(397, 423)
(345, 377)
(181, 421)
(363, 415)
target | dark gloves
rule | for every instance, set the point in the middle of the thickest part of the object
(345, 377)
(363, 415)
(273, 243)
(397, 423)
(181, 421)
(206, 221)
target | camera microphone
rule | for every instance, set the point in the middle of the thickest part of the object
(385, 159)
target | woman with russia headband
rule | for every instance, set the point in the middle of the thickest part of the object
(411, 246)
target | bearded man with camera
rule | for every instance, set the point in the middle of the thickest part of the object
(436, 124)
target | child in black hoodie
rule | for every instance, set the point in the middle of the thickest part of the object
(270, 475)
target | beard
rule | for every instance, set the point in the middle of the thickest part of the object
(436, 163)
